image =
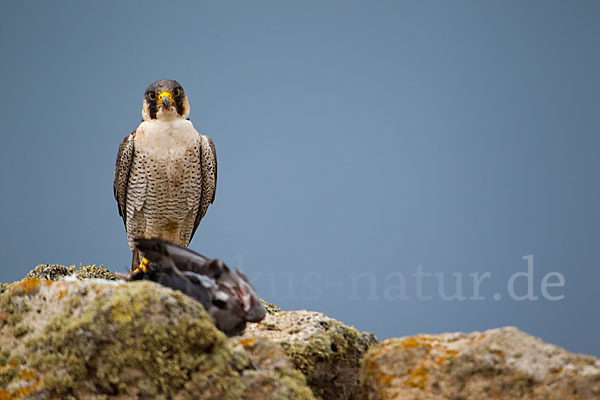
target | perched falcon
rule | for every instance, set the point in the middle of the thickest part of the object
(166, 172)
(226, 294)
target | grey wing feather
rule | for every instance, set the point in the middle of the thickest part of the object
(122, 171)
(208, 158)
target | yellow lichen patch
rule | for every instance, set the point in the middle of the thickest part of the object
(122, 314)
(62, 294)
(124, 307)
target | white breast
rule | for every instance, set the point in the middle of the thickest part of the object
(165, 183)
(166, 140)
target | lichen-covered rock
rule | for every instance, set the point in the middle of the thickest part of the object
(55, 272)
(276, 378)
(96, 338)
(271, 308)
(500, 363)
(326, 351)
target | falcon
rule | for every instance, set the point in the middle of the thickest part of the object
(166, 172)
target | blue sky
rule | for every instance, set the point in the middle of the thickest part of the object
(358, 144)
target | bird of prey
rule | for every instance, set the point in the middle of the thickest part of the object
(166, 172)
(226, 294)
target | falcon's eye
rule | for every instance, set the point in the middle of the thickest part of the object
(152, 95)
(177, 92)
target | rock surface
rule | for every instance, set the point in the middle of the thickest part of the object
(500, 363)
(97, 338)
(326, 351)
(66, 334)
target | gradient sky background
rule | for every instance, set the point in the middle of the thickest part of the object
(352, 137)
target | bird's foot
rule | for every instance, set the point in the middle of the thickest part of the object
(142, 268)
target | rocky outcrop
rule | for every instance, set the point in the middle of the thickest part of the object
(326, 351)
(69, 332)
(96, 338)
(500, 363)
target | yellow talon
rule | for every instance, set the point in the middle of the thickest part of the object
(144, 264)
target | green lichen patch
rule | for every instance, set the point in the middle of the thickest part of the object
(96, 339)
(326, 358)
(134, 342)
(324, 350)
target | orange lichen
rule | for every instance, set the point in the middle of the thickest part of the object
(26, 375)
(418, 377)
(247, 342)
(421, 371)
(381, 381)
(27, 285)
(379, 352)
(410, 342)
(20, 392)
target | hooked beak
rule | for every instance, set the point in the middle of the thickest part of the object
(165, 99)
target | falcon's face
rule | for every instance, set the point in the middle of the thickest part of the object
(165, 99)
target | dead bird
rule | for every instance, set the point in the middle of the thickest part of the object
(226, 294)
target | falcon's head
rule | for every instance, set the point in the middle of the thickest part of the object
(165, 99)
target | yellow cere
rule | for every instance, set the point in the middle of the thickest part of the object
(166, 94)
